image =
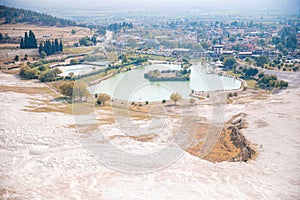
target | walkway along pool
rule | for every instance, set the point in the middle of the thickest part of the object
(132, 85)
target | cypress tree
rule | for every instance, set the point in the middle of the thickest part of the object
(61, 47)
(56, 44)
(32, 40)
(52, 47)
(22, 44)
(26, 42)
(41, 47)
(47, 47)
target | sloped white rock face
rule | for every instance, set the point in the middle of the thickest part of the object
(41, 158)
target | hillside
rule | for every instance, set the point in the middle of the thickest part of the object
(14, 15)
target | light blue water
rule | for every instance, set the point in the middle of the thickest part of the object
(80, 69)
(133, 86)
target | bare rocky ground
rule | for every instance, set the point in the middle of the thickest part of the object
(43, 157)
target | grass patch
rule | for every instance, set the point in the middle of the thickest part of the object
(77, 50)
(231, 73)
(92, 78)
(27, 90)
(47, 109)
(157, 57)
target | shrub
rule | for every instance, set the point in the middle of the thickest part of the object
(43, 54)
(163, 101)
(17, 58)
(229, 95)
(28, 73)
(192, 101)
(99, 102)
(103, 97)
(43, 68)
(73, 62)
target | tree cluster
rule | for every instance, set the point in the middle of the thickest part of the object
(44, 74)
(271, 81)
(287, 39)
(49, 75)
(250, 72)
(73, 89)
(29, 41)
(115, 27)
(15, 15)
(51, 47)
(87, 41)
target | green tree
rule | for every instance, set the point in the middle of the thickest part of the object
(205, 45)
(175, 97)
(80, 90)
(43, 68)
(248, 60)
(57, 71)
(66, 88)
(94, 39)
(275, 40)
(283, 84)
(260, 75)
(230, 62)
(279, 46)
(132, 42)
(251, 72)
(85, 41)
(124, 59)
(73, 31)
(103, 97)
(291, 42)
(262, 60)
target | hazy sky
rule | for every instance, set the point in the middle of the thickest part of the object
(92, 4)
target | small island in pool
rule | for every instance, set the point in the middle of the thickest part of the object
(168, 75)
